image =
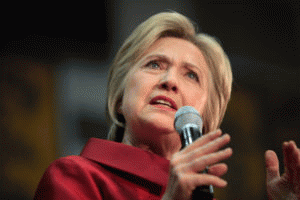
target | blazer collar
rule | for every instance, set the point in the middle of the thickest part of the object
(127, 158)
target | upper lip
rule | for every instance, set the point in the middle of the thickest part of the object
(173, 104)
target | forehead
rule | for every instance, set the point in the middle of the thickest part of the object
(177, 49)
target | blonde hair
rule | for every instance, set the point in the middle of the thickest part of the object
(169, 24)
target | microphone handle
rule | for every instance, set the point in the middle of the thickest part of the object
(203, 192)
(188, 136)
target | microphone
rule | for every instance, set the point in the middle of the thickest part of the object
(188, 124)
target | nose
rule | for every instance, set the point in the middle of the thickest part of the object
(169, 81)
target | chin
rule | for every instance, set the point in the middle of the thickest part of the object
(160, 124)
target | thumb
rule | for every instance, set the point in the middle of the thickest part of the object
(272, 165)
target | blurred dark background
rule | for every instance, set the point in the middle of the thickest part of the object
(54, 61)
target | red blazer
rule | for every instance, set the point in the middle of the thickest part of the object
(105, 170)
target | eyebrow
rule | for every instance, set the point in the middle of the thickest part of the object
(160, 57)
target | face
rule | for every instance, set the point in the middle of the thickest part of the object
(172, 73)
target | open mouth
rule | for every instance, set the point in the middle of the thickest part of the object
(164, 101)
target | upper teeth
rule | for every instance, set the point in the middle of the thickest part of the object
(163, 102)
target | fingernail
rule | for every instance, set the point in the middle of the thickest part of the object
(225, 135)
(214, 132)
(224, 182)
(228, 150)
(218, 131)
(285, 143)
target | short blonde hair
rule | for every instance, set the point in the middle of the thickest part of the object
(169, 24)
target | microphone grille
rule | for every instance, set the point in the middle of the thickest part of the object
(187, 115)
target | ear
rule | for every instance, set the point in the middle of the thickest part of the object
(120, 116)
(119, 109)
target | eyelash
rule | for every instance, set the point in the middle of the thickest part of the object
(151, 63)
(196, 77)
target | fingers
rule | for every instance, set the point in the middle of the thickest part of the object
(206, 179)
(214, 145)
(272, 165)
(203, 140)
(291, 157)
(199, 164)
(185, 165)
(209, 147)
(195, 159)
(218, 169)
(292, 165)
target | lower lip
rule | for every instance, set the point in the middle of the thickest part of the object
(163, 107)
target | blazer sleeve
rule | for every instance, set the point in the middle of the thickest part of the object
(68, 178)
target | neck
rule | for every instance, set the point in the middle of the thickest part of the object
(164, 145)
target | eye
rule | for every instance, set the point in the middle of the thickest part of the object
(193, 75)
(153, 65)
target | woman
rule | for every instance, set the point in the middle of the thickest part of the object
(162, 66)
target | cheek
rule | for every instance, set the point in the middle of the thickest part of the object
(134, 95)
(140, 85)
(197, 99)
(129, 98)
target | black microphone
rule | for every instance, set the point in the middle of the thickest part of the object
(188, 124)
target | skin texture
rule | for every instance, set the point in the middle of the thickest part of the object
(186, 164)
(176, 69)
(286, 186)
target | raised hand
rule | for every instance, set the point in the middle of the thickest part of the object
(286, 186)
(185, 166)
